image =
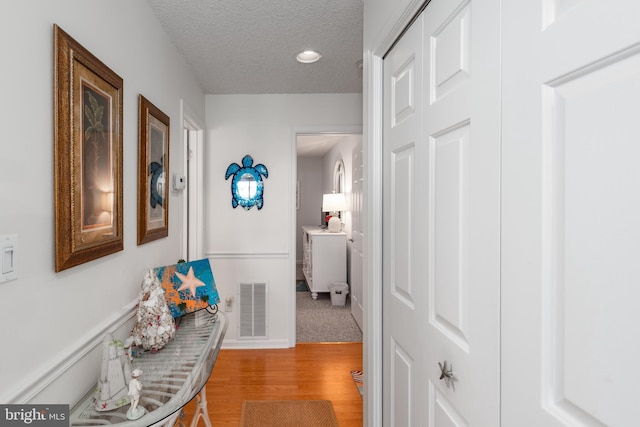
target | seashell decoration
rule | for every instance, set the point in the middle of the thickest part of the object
(154, 326)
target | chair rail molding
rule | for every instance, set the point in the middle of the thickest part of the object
(39, 380)
(247, 255)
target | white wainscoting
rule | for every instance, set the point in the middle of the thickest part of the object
(70, 375)
(245, 255)
(276, 268)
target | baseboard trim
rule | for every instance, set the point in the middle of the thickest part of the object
(247, 255)
(39, 380)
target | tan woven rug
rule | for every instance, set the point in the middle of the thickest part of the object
(288, 413)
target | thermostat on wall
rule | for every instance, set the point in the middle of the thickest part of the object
(179, 182)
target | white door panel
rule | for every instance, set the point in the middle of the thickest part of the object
(446, 129)
(357, 235)
(403, 296)
(571, 209)
(449, 243)
(441, 219)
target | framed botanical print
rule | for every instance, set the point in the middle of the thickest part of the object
(153, 172)
(87, 155)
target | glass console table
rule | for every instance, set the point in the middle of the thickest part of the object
(171, 377)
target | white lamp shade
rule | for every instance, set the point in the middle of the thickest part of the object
(335, 202)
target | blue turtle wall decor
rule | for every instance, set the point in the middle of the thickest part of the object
(247, 188)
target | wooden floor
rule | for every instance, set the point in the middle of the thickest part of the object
(310, 371)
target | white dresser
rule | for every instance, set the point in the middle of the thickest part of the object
(324, 258)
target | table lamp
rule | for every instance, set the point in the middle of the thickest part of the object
(334, 203)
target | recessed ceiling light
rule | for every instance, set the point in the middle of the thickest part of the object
(308, 56)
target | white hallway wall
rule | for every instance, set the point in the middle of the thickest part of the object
(49, 320)
(259, 245)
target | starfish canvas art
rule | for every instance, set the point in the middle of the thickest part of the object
(188, 286)
(190, 281)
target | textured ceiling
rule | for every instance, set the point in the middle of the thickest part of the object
(249, 46)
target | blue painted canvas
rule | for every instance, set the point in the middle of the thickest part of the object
(188, 286)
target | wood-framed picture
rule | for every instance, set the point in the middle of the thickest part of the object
(153, 172)
(87, 155)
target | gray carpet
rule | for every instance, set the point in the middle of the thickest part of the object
(320, 321)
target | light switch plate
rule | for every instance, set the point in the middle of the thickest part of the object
(8, 257)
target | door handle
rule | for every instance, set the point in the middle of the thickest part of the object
(447, 374)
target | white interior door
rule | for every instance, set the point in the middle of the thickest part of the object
(357, 234)
(441, 213)
(404, 293)
(193, 195)
(571, 212)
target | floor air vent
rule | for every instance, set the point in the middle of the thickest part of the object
(253, 310)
